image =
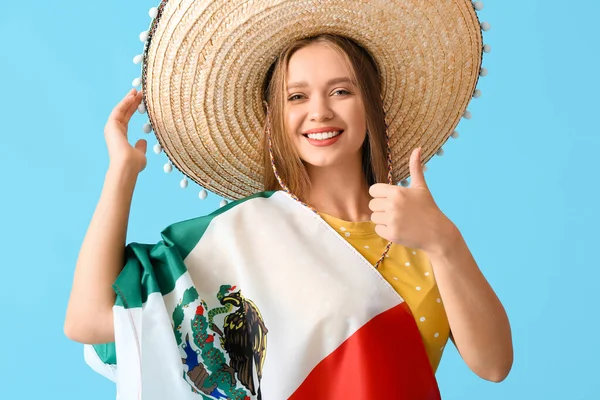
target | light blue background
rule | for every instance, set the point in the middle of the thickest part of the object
(521, 183)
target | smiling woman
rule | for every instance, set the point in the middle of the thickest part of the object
(314, 87)
(322, 279)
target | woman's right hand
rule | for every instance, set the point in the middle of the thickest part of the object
(120, 152)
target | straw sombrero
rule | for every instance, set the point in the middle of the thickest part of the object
(204, 65)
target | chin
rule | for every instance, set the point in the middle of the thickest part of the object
(320, 162)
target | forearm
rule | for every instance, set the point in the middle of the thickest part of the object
(478, 321)
(89, 312)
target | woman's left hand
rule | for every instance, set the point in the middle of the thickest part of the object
(409, 216)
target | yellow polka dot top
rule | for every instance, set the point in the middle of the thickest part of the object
(409, 272)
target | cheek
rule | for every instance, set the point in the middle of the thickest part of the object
(292, 119)
(358, 118)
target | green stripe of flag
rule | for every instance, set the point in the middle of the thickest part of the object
(155, 268)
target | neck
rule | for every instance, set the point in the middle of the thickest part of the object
(340, 191)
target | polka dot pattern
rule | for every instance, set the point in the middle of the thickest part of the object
(408, 271)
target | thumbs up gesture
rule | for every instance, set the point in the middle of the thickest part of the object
(409, 216)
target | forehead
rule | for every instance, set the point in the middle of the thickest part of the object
(316, 64)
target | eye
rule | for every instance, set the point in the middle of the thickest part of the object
(344, 91)
(294, 97)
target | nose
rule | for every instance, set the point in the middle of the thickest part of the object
(320, 109)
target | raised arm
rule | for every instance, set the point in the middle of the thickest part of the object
(89, 316)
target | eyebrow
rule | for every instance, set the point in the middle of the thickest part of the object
(329, 83)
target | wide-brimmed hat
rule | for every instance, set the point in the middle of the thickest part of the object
(205, 61)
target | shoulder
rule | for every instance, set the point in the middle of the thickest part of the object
(187, 233)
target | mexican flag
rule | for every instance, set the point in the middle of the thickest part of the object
(259, 300)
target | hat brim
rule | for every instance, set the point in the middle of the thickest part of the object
(206, 61)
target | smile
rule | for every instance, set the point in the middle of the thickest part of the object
(322, 135)
(323, 139)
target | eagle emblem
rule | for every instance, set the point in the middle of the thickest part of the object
(230, 367)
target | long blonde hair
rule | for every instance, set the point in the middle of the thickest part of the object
(365, 75)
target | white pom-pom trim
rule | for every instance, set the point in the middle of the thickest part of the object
(203, 194)
(157, 148)
(183, 183)
(467, 115)
(147, 128)
(168, 168)
(153, 13)
(144, 36)
(425, 168)
(223, 203)
(136, 82)
(478, 5)
(138, 59)
(454, 135)
(477, 93)
(404, 183)
(440, 152)
(483, 72)
(142, 108)
(487, 48)
(485, 26)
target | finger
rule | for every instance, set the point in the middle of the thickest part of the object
(379, 218)
(122, 109)
(134, 105)
(417, 179)
(141, 145)
(380, 190)
(378, 204)
(382, 231)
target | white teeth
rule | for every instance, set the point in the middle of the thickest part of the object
(323, 135)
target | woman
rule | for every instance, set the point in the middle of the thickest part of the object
(328, 285)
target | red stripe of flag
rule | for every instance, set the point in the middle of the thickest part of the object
(384, 359)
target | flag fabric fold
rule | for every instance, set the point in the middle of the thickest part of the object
(259, 300)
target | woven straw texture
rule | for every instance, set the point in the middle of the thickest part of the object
(205, 63)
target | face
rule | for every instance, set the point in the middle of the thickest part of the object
(324, 115)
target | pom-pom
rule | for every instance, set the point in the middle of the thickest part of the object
(477, 94)
(485, 26)
(168, 167)
(153, 13)
(157, 148)
(487, 48)
(478, 5)
(223, 203)
(136, 82)
(147, 127)
(425, 168)
(203, 194)
(467, 115)
(142, 108)
(144, 36)
(454, 135)
(138, 59)
(404, 183)
(483, 71)
(440, 152)
(183, 183)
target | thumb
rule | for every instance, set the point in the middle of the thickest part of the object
(141, 145)
(417, 179)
